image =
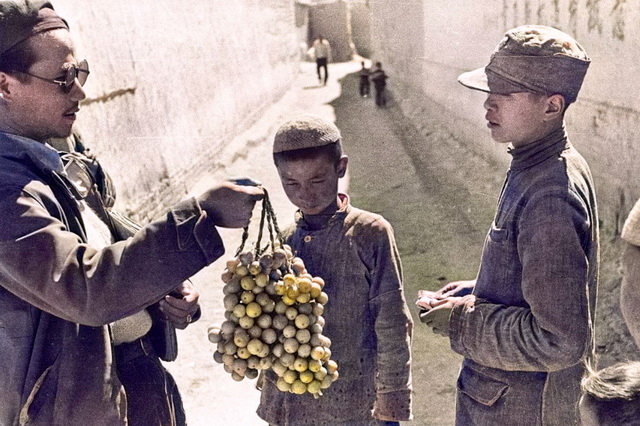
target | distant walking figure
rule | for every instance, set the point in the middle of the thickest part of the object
(364, 80)
(322, 53)
(379, 78)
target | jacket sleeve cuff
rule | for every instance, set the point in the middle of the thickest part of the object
(456, 324)
(393, 406)
(193, 227)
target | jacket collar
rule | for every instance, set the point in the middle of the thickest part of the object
(42, 155)
(540, 150)
(343, 210)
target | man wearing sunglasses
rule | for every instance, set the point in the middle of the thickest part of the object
(62, 278)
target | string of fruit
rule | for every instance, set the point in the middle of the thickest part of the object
(273, 311)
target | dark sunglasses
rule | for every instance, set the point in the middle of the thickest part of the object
(80, 71)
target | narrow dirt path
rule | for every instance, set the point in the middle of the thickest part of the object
(438, 197)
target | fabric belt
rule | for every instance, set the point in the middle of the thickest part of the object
(126, 352)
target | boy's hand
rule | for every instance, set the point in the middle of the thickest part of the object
(428, 299)
(230, 205)
(181, 307)
(438, 318)
(456, 289)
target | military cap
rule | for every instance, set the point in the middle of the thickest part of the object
(21, 19)
(305, 131)
(532, 58)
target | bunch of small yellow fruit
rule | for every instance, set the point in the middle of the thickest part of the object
(273, 311)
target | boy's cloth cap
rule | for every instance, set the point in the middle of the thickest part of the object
(305, 131)
(21, 19)
(532, 58)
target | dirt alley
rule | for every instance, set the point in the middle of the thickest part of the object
(438, 196)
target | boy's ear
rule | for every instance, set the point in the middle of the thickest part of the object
(555, 107)
(342, 166)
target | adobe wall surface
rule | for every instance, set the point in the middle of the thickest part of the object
(171, 84)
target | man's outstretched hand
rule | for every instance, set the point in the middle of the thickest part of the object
(230, 205)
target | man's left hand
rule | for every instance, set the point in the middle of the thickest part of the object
(181, 311)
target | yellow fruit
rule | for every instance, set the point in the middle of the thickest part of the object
(322, 298)
(255, 268)
(262, 280)
(280, 288)
(239, 366)
(247, 283)
(306, 376)
(278, 368)
(292, 291)
(326, 382)
(335, 375)
(317, 353)
(287, 359)
(319, 281)
(331, 366)
(247, 297)
(318, 309)
(314, 386)
(315, 290)
(303, 298)
(281, 307)
(265, 363)
(288, 301)
(290, 376)
(302, 321)
(327, 355)
(239, 310)
(242, 271)
(246, 322)
(282, 385)
(298, 387)
(304, 285)
(253, 310)
(243, 353)
(254, 346)
(264, 321)
(253, 362)
(241, 339)
(291, 345)
(289, 280)
(321, 374)
(304, 351)
(289, 331)
(300, 364)
(314, 365)
(303, 336)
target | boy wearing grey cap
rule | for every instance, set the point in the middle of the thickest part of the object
(527, 325)
(367, 318)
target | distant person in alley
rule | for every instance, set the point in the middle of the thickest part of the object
(525, 324)
(364, 83)
(322, 53)
(367, 318)
(379, 79)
